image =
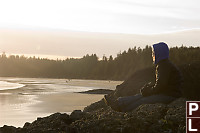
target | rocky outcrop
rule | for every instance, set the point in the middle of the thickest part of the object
(51, 124)
(97, 91)
(151, 118)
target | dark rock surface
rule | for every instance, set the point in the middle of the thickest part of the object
(98, 91)
(55, 123)
(99, 118)
(151, 118)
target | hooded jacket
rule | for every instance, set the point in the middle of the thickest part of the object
(168, 77)
(161, 52)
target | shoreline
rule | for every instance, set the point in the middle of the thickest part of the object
(62, 78)
(97, 91)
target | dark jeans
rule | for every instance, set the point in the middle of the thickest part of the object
(131, 102)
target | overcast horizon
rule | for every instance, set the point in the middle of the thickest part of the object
(63, 44)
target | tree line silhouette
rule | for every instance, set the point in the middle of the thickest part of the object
(90, 66)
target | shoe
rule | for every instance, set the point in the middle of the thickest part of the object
(106, 100)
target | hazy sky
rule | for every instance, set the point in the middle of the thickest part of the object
(116, 16)
(62, 44)
(46, 27)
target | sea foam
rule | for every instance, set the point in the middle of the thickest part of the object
(4, 85)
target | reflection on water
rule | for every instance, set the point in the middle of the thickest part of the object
(7, 85)
(14, 108)
(25, 99)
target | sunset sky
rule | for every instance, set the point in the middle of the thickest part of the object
(121, 16)
(104, 16)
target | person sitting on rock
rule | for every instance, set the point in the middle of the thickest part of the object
(167, 86)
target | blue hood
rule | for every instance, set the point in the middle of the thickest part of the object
(161, 51)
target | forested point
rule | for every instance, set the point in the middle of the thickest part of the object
(90, 66)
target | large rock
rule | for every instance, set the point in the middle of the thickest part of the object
(8, 129)
(94, 106)
(151, 118)
(54, 123)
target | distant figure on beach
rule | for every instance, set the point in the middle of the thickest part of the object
(167, 86)
(68, 80)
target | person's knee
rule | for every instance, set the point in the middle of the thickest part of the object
(120, 101)
(119, 98)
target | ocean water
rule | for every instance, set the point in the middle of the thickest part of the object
(4, 85)
(24, 99)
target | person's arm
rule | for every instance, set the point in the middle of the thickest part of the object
(146, 89)
(161, 80)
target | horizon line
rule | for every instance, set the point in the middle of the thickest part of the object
(45, 29)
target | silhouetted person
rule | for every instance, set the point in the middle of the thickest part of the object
(167, 86)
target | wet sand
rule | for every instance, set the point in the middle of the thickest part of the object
(66, 102)
(16, 110)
